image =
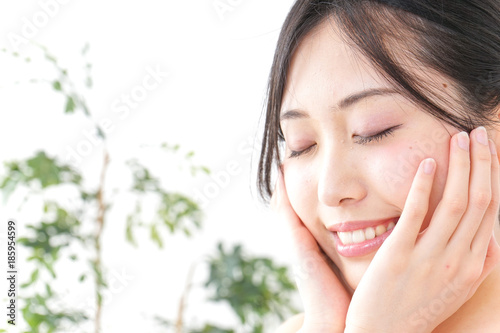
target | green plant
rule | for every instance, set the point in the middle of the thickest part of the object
(257, 287)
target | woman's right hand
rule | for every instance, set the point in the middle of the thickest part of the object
(427, 276)
(325, 299)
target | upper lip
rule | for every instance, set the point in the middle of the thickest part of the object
(360, 224)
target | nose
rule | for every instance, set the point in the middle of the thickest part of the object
(340, 180)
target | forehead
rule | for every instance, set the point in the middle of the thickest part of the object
(325, 66)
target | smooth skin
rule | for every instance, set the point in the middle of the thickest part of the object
(462, 263)
(438, 271)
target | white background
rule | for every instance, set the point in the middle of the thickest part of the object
(211, 102)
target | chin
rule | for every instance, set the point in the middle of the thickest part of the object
(354, 272)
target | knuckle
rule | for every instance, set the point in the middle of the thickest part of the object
(470, 276)
(494, 202)
(484, 156)
(456, 206)
(481, 199)
(417, 209)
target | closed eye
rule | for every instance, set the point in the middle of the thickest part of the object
(360, 140)
(301, 152)
(377, 137)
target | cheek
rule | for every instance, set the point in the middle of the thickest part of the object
(301, 190)
(401, 163)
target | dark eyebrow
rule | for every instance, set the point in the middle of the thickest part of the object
(343, 104)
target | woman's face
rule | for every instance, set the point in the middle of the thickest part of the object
(352, 150)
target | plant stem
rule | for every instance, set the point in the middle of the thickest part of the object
(100, 226)
(179, 325)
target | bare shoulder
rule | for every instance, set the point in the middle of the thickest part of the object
(292, 325)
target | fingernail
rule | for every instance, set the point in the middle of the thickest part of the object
(429, 165)
(463, 141)
(493, 149)
(481, 136)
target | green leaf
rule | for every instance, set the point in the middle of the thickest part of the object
(51, 58)
(155, 236)
(33, 278)
(206, 170)
(44, 169)
(254, 287)
(70, 105)
(49, 291)
(212, 329)
(129, 232)
(100, 133)
(56, 85)
(49, 268)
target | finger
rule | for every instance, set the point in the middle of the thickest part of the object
(480, 243)
(453, 205)
(491, 261)
(416, 205)
(479, 189)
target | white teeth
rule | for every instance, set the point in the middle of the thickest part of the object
(361, 235)
(370, 233)
(345, 237)
(380, 230)
(358, 236)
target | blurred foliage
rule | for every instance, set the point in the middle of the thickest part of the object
(175, 210)
(38, 172)
(255, 288)
(58, 229)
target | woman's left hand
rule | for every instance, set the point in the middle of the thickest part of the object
(418, 280)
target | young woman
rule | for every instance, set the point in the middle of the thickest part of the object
(382, 128)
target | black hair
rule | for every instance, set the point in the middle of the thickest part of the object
(457, 39)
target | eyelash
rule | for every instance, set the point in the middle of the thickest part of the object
(362, 140)
(377, 137)
(294, 154)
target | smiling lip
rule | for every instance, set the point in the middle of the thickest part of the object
(365, 247)
(356, 225)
